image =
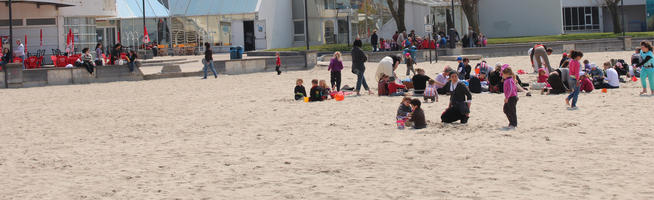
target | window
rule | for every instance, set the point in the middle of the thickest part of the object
(581, 19)
(17, 22)
(298, 27)
(44, 21)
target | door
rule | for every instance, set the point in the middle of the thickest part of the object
(330, 37)
(248, 33)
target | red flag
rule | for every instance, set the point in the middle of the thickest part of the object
(118, 36)
(25, 43)
(41, 38)
(146, 36)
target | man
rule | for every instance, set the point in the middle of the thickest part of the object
(387, 66)
(20, 51)
(374, 40)
(453, 37)
(539, 55)
(441, 80)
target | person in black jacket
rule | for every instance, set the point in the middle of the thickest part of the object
(556, 84)
(115, 54)
(208, 61)
(299, 91)
(358, 66)
(374, 40)
(460, 102)
(315, 94)
(6, 57)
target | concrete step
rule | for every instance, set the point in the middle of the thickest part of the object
(453, 58)
(162, 60)
(172, 63)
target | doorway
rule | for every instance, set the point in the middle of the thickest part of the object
(330, 37)
(248, 32)
(106, 36)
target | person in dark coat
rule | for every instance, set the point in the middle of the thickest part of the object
(115, 53)
(358, 66)
(374, 40)
(418, 115)
(460, 102)
(557, 85)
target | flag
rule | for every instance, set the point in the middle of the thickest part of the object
(69, 41)
(25, 43)
(146, 36)
(119, 37)
(41, 38)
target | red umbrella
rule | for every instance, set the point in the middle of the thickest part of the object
(118, 36)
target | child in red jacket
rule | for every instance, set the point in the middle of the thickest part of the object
(278, 63)
(393, 88)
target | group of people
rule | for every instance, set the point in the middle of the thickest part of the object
(402, 40)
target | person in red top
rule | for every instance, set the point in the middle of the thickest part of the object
(278, 63)
(393, 88)
(575, 68)
(586, 84)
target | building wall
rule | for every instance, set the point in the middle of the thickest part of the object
(23, 11)
(279, 26)
(94, 8)
(414, 17)
(580, 3)
(635, 17)
(497, 19)
(238, 36)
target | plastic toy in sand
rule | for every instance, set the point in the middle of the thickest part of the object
(306, 99)
(339, 96)
(521, 72)
(634, 79)
(604, 90)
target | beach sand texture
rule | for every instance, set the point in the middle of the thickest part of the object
(243, 137)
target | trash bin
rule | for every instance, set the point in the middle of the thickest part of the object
(239, 52)
(232, 53)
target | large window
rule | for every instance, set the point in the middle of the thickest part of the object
(581, 19)
(84, 30)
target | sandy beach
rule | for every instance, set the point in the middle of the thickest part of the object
(244, 137)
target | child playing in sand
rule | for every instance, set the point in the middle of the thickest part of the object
(430, 92)
(410, 64)
(382, 87)
(586, 66)
(300, 92)
(394, 88)
(417, 116)
(278, 63)
(586, 83)
(575, 68)
(404, 110)
(510, 97)
(315, 92)
(325, 89)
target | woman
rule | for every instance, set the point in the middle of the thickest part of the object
(647, 67)
(387, 66)
(208, 61)
(556, 84)
(335, 68)
(131, 59)
(115, 54)
(358, 66)
(460, 101)
(6, 57)
(87, 60)
(98, 54)
(539, 55)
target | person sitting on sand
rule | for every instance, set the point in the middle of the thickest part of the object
(382, 86)
(442, 80)
(541, 81)
(300, 92)
(316, 91)
(395, 89)
(404, 109)
(460, 102)
(495, 79)
(597, 75)
(612, 79)
(325, 89)
(420, 82)
(430, 92)
(417, 116)
(586, 83)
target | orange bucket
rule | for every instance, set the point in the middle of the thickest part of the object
(604, 90)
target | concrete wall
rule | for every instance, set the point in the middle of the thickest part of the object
(580, 3)
(279, 26)
(95, 8)
(2, 79)
(255, 65)
(66, 76)
(511, 18)
(634, 13)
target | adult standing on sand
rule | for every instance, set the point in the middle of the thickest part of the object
(358, 66)
(387, 66)
(539, 57)
(460, 101)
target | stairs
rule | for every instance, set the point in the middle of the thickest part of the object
(187, 31)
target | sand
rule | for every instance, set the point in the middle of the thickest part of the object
(243, 137)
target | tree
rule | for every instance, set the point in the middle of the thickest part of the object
(612, 6)
(398, 13)
(470, 8)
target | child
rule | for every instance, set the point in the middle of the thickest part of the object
(410, 64)
(335, 68)
(586, 84)
(597, 74)
(382, 87)
(541, 81)
(510, 97)
(461, 69)
(325, 90)
(586, 66)
(418, 115)
(575, 68)
(393, 88)
(404, 110)
(468, 68)
(382, 44)
(387, 45)
(300, 92)
(430, 92)
(316, 91)
(278, 64)
(87, 60)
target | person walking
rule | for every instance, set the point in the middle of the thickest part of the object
(374, 41)
(358, 66)
(208, 61)
(647, 67)
(20, 51)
